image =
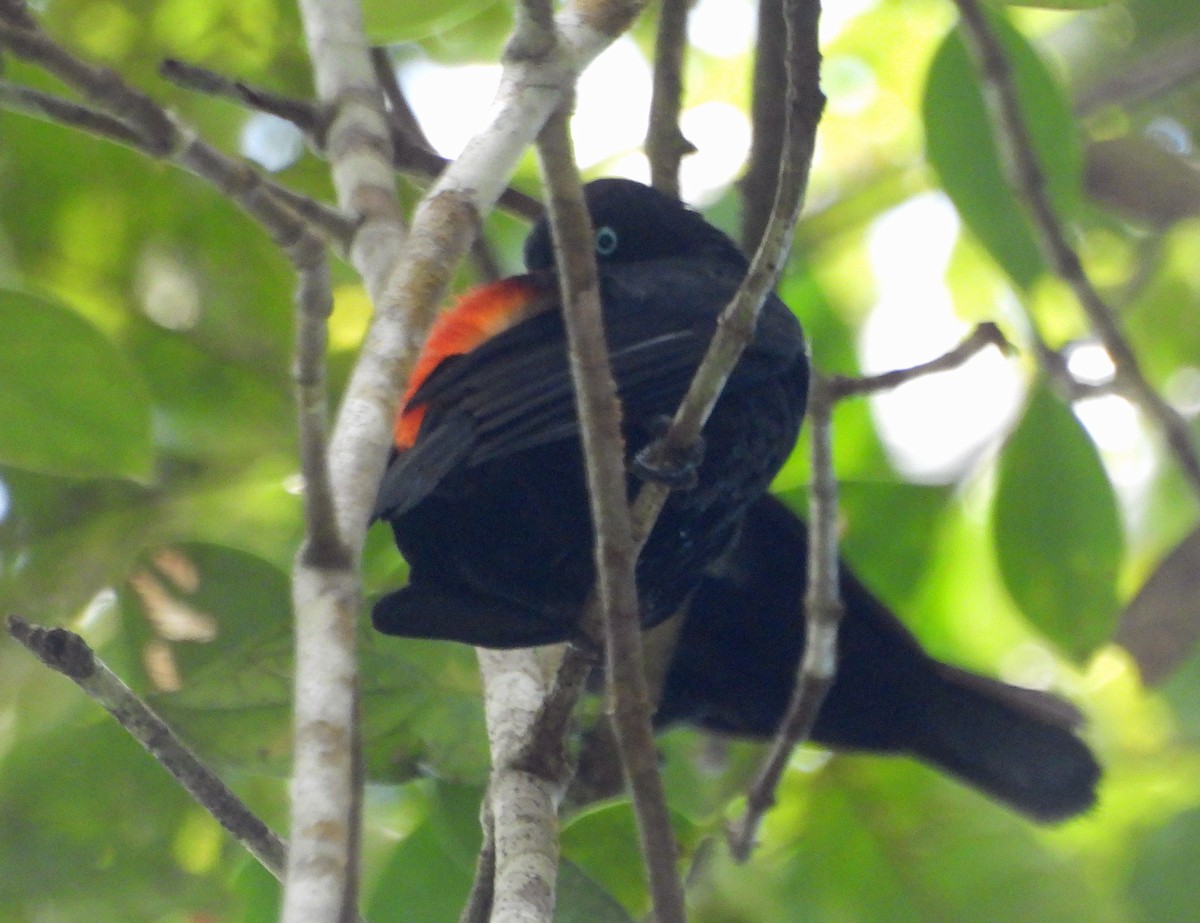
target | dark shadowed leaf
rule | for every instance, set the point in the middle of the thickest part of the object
(1161, 624)
(1057, 529)
(581, 900)
(70, 404)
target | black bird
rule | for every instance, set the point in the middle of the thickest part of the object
(734, 670)
(485, 489)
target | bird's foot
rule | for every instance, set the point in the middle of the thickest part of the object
(677, 469)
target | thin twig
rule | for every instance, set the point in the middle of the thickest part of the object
(70, 655)
(822, 603)
(599, 412)
(65, 112)
(410, 143)
(665, 144)
(127, 116)
(301, 113)
(735, 327)
(411, 152)
(1029, 184)
(758, 184)
(984, 335)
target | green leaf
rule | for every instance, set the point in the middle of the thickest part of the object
(428, 875)
(1163, 886)
(1057, 528)
(1062, 4)
(958, 137)
(603, 842)
(70, 403)
(914, 846)
(211, 630)
(87, 825)
(388, 22)
(579, 899)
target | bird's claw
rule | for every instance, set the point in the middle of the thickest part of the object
(677, 469)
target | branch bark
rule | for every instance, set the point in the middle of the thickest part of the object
(665, 144)
(522, 802)
(599, 411)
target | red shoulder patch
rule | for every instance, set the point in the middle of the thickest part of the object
(478, 315)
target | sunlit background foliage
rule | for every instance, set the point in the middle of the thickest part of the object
(148, 494)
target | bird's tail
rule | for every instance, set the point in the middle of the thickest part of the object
(1017, 745)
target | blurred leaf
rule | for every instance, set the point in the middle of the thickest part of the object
(890, 560)
(206, 408)
(602, 840)
(958, 137)
(912, 845)
(97, 525)
(210, 628)
(389, 22)
(258, 892)
(1062, 4)
(1056, 526)
(70, 404)
(86, 822)
(1161, 624)
(1163, 886)
(1161, 319)
(428, 875)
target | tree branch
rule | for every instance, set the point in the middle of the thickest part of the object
(735, 327)
(326, 788)
(1029, 185)
(120, 113)
(759, 182)
(822, 602)
(70, 655)
(411, 152)
(522, 803)
(665, 144)
(599, 412)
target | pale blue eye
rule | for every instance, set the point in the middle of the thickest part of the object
(606, 241)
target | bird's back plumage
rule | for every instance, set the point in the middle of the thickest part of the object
(489, 498)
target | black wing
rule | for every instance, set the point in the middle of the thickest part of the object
(514, 391)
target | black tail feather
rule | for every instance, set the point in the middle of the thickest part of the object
(1005, 742)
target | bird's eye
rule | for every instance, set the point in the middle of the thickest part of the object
(606, 241)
